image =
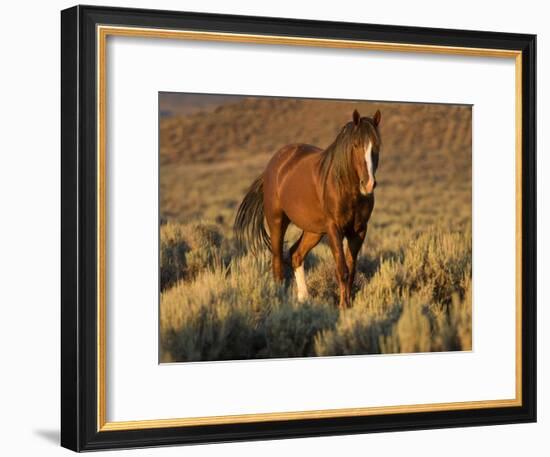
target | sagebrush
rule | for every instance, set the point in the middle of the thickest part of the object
(417, 300)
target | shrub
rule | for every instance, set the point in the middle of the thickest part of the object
(290, 329)
(238, 312)
(417, 299)
(357, 332)
(187, 249)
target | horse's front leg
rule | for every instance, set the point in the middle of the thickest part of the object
(336, 241)
(355, 241)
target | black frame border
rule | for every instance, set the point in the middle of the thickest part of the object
(79, 218)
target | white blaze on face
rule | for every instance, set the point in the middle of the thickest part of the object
(368, 160)
(300, 276)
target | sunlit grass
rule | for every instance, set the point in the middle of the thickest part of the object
(414, 299)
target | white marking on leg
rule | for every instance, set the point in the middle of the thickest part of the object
(300, 275)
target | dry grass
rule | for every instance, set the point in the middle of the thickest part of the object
(413, 286)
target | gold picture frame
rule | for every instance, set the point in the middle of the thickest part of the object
(102, 23)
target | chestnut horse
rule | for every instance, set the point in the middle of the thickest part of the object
(323, 192)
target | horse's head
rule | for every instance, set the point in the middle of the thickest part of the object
(366, 150)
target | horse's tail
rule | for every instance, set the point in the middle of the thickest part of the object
(249, 225)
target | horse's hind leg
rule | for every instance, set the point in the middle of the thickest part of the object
(277, 223)
(298, 253)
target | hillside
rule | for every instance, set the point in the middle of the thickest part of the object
(426, 150)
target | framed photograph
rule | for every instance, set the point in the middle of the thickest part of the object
(277, 228)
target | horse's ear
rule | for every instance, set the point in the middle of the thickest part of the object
(356, 117)
(376, 118)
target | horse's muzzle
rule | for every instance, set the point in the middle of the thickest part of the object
(368, 188)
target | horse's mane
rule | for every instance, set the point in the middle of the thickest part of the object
(337, 158)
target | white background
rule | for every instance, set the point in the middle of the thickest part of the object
(137, 69)
(29, 185)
